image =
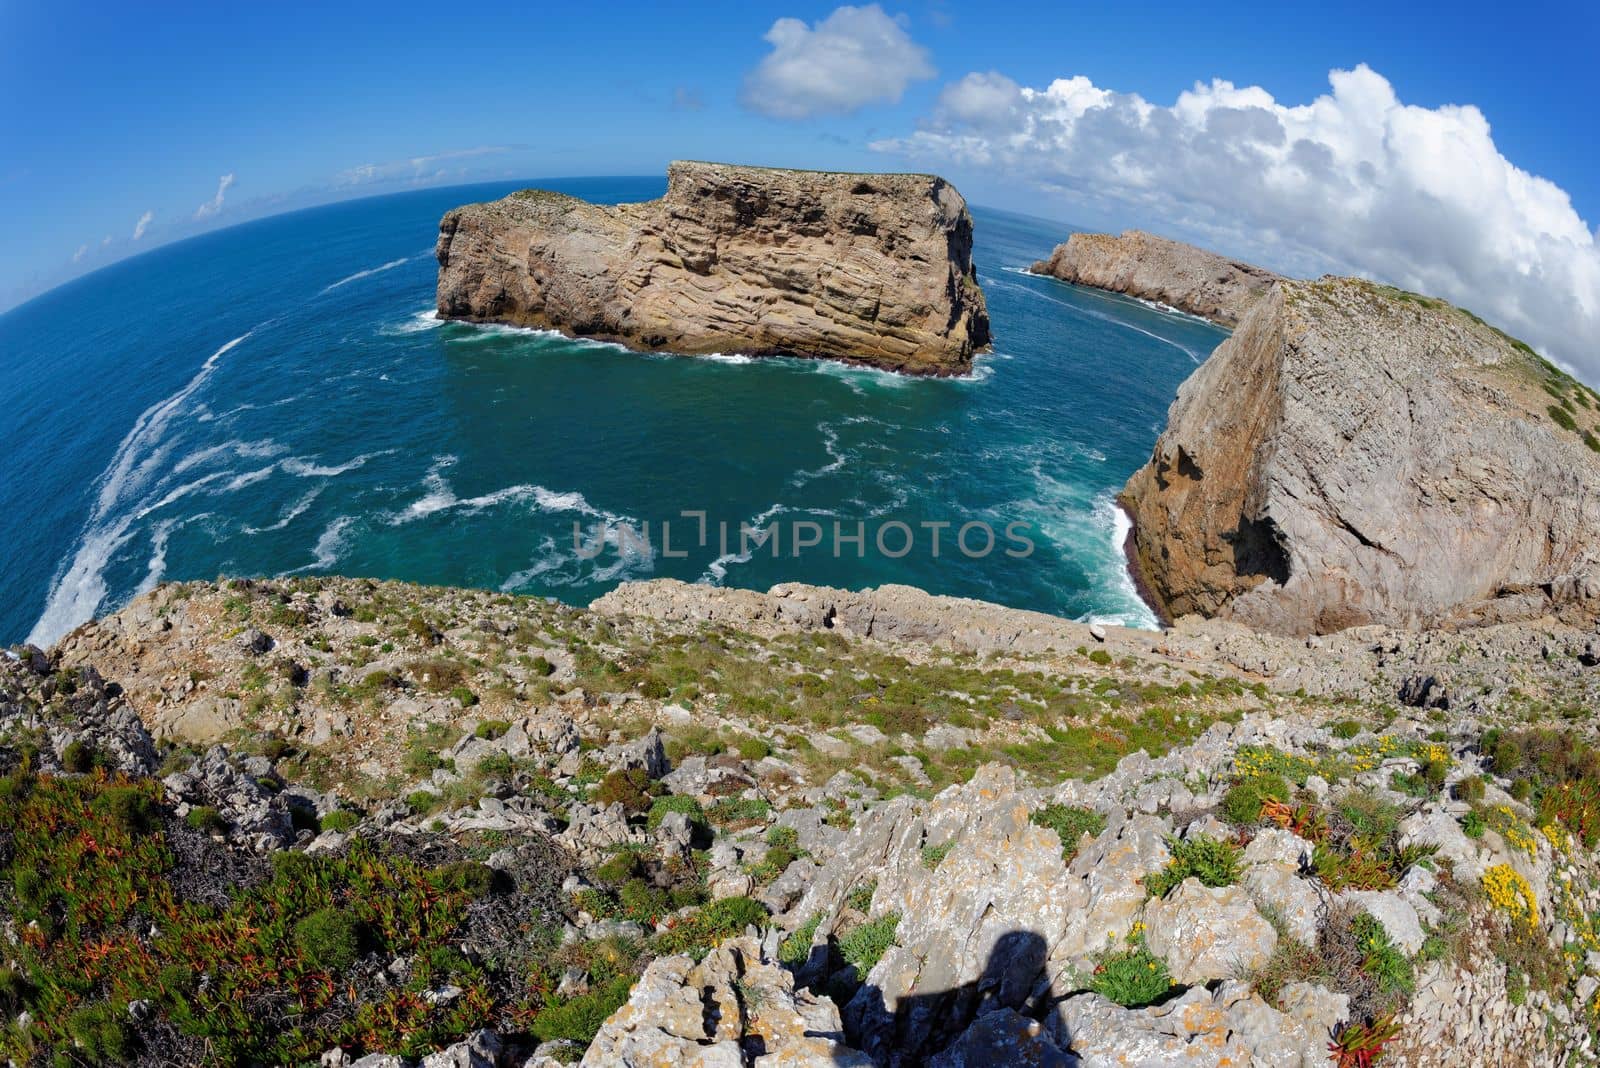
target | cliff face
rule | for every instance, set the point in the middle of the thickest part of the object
(1154, 268)
(869, 268)
(1355, 454)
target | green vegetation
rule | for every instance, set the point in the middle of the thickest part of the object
(1211, 860)
(1070, 824)
(865, 945)
(1132, 976)
(1243, 802)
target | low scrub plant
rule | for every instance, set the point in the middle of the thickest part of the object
(1131, 976)
(1213, 861)
(1070, 823)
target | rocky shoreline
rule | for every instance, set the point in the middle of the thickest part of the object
(872, 269)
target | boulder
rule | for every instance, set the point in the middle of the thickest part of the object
(1205, 933)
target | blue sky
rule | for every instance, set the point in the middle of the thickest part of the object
(111, 113)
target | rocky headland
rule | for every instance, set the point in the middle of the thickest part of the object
(873, 269)
(1157, 268)
(341, 821)
(1357, 454)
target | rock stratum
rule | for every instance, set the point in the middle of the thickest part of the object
(873, 269)
(1356, 454)
(1156, 268)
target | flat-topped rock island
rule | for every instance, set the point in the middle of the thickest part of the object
(872, 269)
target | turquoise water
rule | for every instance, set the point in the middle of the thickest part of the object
(277, 398)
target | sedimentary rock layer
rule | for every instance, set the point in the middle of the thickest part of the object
(1154, 268)
(1356, 454)
(869, 268)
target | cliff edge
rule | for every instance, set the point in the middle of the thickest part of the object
(868, 268)
(1154, 268)
(1356, 454)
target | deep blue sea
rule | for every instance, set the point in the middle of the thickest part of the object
(277, 398)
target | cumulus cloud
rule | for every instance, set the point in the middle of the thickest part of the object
(1355, 182)
(416, 169)
(83, 250)
(854, 57)
(214, 205)
(142, 225)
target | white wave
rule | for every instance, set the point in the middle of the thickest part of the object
(289, 514)
(369, 272)
(79, 586)
(728, 357)
(330, 543)
(717, 570)
(440, 496)
(426, 319)
(294, 465)
(1134, 613)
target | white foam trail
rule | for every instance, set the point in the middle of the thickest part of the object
(290, 514)
(79, 587)
(1186, 350)
(1137, 614)
(329, 545)
(294, 465)
(391, 265)
(717, 570)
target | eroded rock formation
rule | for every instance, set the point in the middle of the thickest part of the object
(1355, 454)
(1155, 268)
(868, 268)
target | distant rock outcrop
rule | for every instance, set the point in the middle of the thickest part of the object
(869, 268)
(1154, 268)
(1357, 454)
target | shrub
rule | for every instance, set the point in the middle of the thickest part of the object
(329, 938)
(752, 748)
(642, 902)
(339, 820)
(1382, 960)
(490, 729)
(1132, 977)
(78, 756)
(1243, 802)
(464, 697)
(630, 788)
(1361, 1045)
(795, 950)
(619, 868)
(422, 802)
(543, 666)
(698, 933)
(1470, 789)
(1562, 418)
(129, 807)
(674, 803)
(1472, 824)
(467, 877)
(1346, 729)
(101, 1033)
(206, 819)
(1434, 772)
(1070, 823)
(1100, 657)
(1211, 860)
(865, 945)
(579, 1019)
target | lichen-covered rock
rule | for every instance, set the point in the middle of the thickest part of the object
(1156, 268)
(1356, 455)
(1230, 1028)
(734, 1008)
(1205, 933)
(868, 268)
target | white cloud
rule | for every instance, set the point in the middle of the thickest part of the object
(83, 250)
(1356, 181)
(142, 225)
(417, 169)
(214, 205)
(854, 57)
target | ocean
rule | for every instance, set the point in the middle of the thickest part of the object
(277, 398)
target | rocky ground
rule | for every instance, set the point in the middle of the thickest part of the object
(334, 821)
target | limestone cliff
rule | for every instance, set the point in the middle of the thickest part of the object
(868, 268)
(1155, 268)
(1356, 454)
